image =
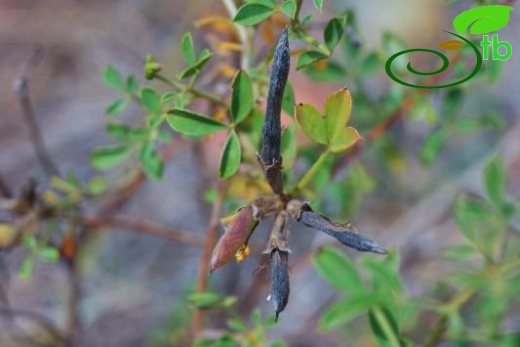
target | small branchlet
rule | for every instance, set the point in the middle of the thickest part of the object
(233, 243)
(345, 233)
(272, 130)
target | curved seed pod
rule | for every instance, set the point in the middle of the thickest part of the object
(280, 288)
(344, 233)
(235, 238)
(272, 129)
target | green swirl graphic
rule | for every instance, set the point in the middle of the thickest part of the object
(445, 65)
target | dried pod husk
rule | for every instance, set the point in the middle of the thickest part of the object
(280, 288)
(343, 232)
(272, 129)
(235, 238)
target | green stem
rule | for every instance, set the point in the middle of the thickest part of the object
(387, 329)
(170, 82)
(312, 172)
(309, 39)
(210, 97)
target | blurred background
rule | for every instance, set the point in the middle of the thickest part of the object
(133, 285)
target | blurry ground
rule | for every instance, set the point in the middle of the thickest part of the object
(132, 282)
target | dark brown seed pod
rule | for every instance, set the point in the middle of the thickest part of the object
(235, 238)
(280, 288)
(272, 129)
(343, 232)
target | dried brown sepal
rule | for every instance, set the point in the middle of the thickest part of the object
(345, 233)
(235, 237)
(279, 238)
(280, 287)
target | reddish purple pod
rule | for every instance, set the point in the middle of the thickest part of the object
(235, 237)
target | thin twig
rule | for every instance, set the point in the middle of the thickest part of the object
(21, 87)
(184, 237)
(211, 238)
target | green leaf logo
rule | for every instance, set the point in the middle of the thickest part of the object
(482, 20)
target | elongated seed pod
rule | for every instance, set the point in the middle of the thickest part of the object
(280, 288)
(235, 237)
(343, 232)
(272, 129)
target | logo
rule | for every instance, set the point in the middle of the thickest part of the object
(481, 20)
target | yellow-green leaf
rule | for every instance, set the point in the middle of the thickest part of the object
(107, 157)
(311, 122)
(242, 98)
(231, 155)
(337, 113)
(345, 139)
(289, 146)
(338, 270)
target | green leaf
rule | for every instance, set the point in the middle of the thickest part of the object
(338, 270)
(333, 33)
(132, 85)
(242, 98)
(470, 214)
(205, 300)
(192, 124)
(116, 107)
(494, 179)
(288, 146)
(26, 269)
(251, 14)
(49, 254)
(343, 312)
(433, 146)
(483, 19)
(318, 4)
(236, 325)
(97, 185)
(150, 99)
(289, 8)
(151, 161)
(346, 138)
(384, 327)
(459, 253)
(107, 157)
(117, 130)
(370, 64)
(195, 68)
(113, 78)
(231, 155)
(288, 99)
(337, 113)
(188, 49)
(309, 57)
(311, 122)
